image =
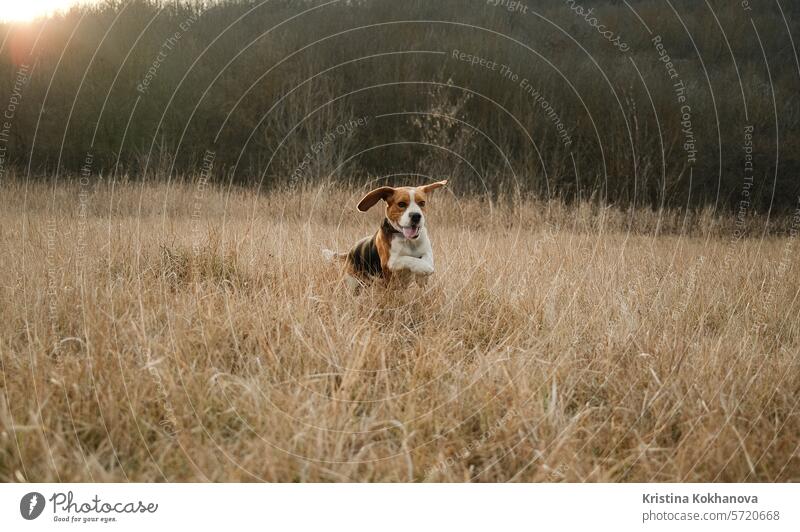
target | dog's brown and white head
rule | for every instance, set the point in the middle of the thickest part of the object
(405, 206)
(400, 246)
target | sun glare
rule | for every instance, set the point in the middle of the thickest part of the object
(27, 10)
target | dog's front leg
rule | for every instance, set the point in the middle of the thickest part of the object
(422, 279)
(418, 265)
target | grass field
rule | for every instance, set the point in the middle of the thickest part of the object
(183, 333)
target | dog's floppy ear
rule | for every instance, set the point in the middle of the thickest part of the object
(373, 197)
(433, 186)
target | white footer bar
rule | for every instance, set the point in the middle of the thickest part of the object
(387, 507)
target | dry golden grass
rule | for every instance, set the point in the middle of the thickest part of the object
(151, 335)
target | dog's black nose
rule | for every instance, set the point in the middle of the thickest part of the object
(415, 217)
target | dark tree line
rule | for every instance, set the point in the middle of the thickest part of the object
(552, 99)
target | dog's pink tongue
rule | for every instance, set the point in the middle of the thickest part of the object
(410, 232)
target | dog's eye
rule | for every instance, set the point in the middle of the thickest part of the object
(402, 204)
(421, 203)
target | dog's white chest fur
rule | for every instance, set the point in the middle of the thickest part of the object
(414, 255)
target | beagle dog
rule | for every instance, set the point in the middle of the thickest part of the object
(400, 247)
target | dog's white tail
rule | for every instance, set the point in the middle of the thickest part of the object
(331, 255)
